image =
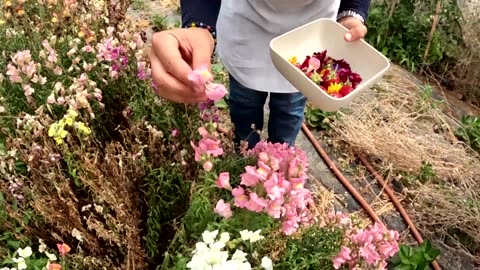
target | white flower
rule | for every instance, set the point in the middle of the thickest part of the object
(217, 245)
(267, 263)
(239, 256)
(224, 237)
(255, 236)
(21, 264)
(25, 253)
(233, 265)
(42, 246)
(6, 268)
(245, 235)
(198, 263)
(51, 256)
(216, 257)
(209, 237)
(201, 247)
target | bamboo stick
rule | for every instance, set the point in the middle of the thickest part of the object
(436, 19)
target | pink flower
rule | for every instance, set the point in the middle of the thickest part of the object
(369, 253)
(387, 249)
(51, 99)
(63, 249)
(203, 132)
(272, 188)
(342, 257)
(223, 209)
(203, 78)
(289, 227)
(207, 147)
(223, 181)
(250, 177)
(256, 204)
(57, 70)
(13, 73)
(215, 91)
(313, 64)
(275, 208)
(208, 165)
(241, 199)
(200, 76)
(28, 90)
(263, 169)
(175, 132)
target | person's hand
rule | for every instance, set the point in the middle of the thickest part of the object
(175, 53)
(356, 29)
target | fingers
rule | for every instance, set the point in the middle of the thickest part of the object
(167, 50)
(202, 52)
(356, 29)
(170, 87)
(356, 33)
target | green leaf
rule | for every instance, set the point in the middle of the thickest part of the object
(222, 104)
(13, 244)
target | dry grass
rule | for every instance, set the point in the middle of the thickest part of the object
(397, 125)
(467, 70)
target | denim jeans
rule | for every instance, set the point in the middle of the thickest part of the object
(246, 112)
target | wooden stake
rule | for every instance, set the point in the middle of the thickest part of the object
(434, 27)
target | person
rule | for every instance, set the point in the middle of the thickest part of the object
(241, 31)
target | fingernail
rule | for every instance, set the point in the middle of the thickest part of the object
(348, 36)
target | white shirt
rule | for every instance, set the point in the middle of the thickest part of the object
(246, 27)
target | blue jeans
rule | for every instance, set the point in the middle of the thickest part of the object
(246, 110)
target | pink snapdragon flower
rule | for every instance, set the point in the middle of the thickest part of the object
(368, 248)
(223, 209)
(203, 78)
(223, 181)
(267, 187)
(241, 199)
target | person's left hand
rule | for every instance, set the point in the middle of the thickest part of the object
(356, 29)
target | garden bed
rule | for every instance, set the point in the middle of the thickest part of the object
(407, 130)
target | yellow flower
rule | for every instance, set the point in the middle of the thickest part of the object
(57, 132)
(81, 33)
(52, 131)
(293, 60)
(54, 19)
(83, 129)
(8, 3)
(72, 113)
(69, 121)
(334, 88)
(21, 12)
(58, 140)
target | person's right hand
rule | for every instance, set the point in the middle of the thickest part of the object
(175, 53)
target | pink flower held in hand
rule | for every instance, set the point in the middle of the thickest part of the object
(223, 209)
(200, 76)
(203, 78)
(223, 181)
(215, 91)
